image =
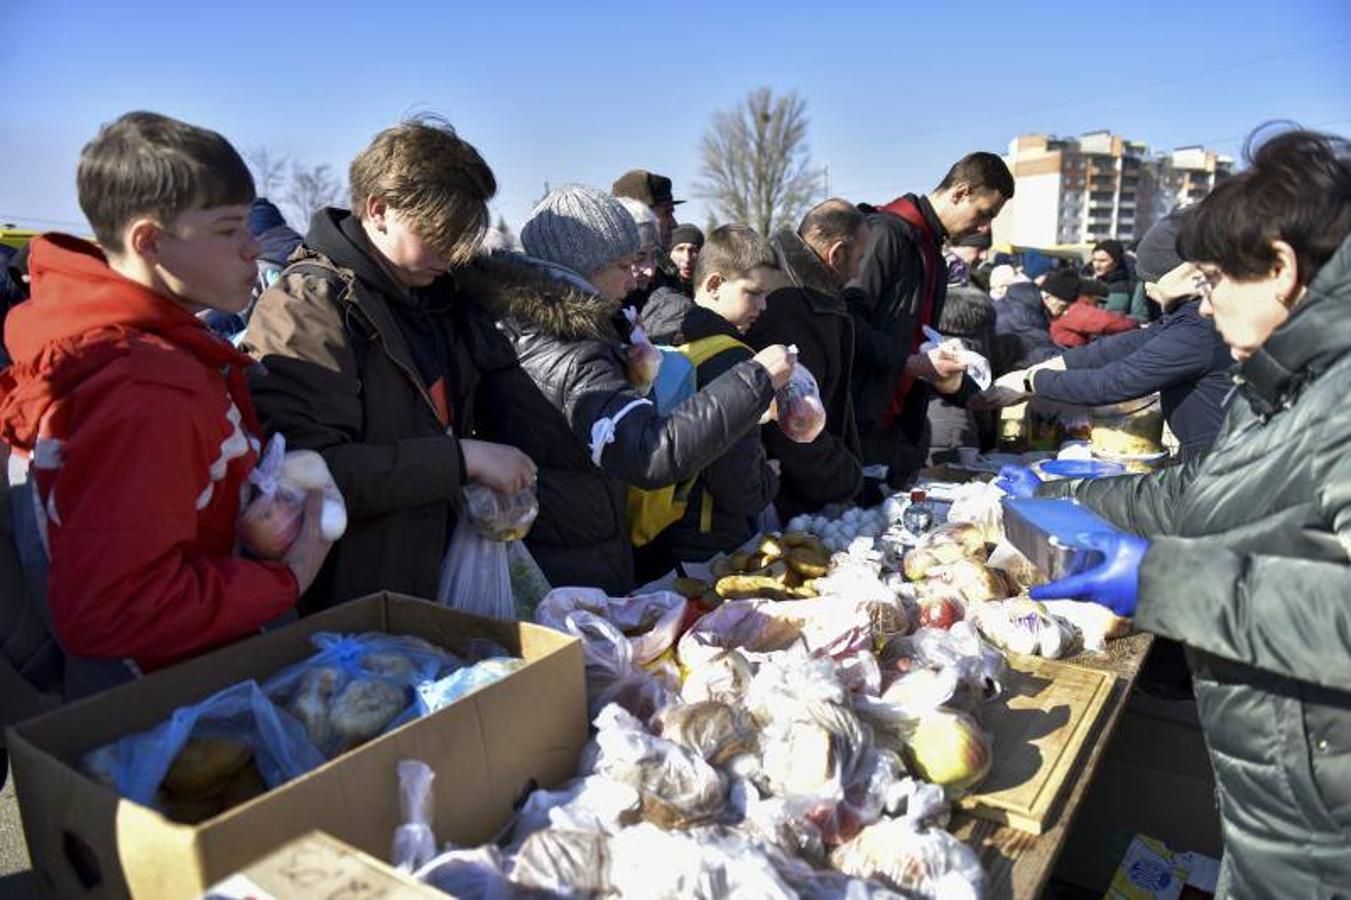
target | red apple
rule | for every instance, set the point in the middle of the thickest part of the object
(270, 525)
(941, 612)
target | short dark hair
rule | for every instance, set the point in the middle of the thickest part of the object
(732, 251)
(1296, 189)
(830, 222)
(423, 169)
(1112, 248)
(146, 164)
(982, 171)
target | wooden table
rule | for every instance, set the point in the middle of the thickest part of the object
(1017, 864)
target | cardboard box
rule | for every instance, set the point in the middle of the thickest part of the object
(487, 750)
(319, 865)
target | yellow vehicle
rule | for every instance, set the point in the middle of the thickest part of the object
(16, 237)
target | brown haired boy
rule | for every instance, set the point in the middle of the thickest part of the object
(363, 341)
(137, 419)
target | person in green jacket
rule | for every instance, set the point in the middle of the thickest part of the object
(1243, 554)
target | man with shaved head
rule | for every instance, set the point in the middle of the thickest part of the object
(817, 261)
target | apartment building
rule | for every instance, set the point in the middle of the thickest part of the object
(1098, 185)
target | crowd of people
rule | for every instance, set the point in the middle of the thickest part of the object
(417, 352)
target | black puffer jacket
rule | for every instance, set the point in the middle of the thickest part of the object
(1022, 330)
(552, 378)
(736, 486)
(809, 313)
(1250, 567)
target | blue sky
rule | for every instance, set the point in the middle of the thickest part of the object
(580, 92)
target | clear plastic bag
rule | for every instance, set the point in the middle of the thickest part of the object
(725, 677)
(678, 788)
(240, 717)
(801, 414)
(564, 862)
(650, 863)
(611, 676)
(271, 521)
(498, 517)
(714, 730)
(476, 574)
(930, 864)
(479, 873)
(642, 359)
(528, 584)
(745, 625)
(357, 686)
(651, 621)
(583, 804)
(414, 843)
(434, 695)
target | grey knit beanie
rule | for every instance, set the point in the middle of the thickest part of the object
(581, 228)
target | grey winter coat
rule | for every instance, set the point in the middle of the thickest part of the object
(1250, 568)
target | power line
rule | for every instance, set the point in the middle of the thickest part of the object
(13, 217)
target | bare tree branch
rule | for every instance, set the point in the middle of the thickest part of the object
(311, 189)
(756, 167)
(269, 170)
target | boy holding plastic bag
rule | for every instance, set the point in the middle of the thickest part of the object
(135, 417)
(714, 511)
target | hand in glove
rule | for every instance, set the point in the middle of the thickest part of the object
(1018, 481)
(1114, 582)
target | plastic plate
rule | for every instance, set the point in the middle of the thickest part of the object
(1081, 468)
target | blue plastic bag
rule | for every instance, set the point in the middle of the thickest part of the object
(357, 686)
(241, 713)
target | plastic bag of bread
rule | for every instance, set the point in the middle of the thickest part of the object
(714, 730)
(662, 865)
(801, 414)
(725, 677)
(357, 686)
(564, 862)
(271, 520)
(611, 674)
(929, 864)
(749, 626)
(945, 545)
(499, 517)
(583, 804)
(678, 789)
(206, 755)
(434, 695)
(651, 622)
(968, 580)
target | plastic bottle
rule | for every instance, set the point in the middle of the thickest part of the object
(918, 517)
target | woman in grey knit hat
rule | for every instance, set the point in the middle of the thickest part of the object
(555, 386)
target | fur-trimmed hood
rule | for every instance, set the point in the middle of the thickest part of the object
(802, 267)
(534, 295)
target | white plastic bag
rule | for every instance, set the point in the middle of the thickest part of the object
(977, 366)
(930, 864)
(642, 359)
(801, 414)
(271, 521)
(651, 621)
(478, 574)
(414, 842)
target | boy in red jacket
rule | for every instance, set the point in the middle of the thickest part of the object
(136, 418)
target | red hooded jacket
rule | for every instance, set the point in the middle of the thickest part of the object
(1083, 321)
(141, 435)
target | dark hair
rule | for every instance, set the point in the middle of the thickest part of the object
(146, 164)
(732, 251)
(830, 222)
(1112, 248)
(1296, 189)
(425, 171)
(982, 171)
